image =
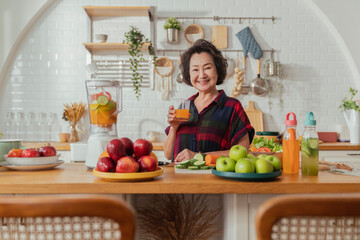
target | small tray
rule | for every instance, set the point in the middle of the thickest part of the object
(128, 177)
(30, 161)
(247, 176)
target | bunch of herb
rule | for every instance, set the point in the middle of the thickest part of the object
(264, 142)
(136, 39)
(172, 23)
(348, 102)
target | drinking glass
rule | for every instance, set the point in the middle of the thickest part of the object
(10, 125)
(31, 127)
(182, 109)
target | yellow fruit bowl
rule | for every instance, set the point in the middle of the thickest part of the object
(128, 177)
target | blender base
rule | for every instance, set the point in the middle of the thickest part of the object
(96, 145)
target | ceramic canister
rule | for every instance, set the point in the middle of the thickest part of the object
(6, 145)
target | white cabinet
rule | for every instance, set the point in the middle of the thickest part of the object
(339, 155)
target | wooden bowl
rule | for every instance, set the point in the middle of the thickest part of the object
(193, 29)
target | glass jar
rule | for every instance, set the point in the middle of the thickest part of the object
(310, 147)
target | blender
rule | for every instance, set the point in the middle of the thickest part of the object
(105, 102)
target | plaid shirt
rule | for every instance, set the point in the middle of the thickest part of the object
(217, 127)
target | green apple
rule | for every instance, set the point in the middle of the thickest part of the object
(263, 165)
(244, 165)
(225, 164)
(262, 156)
(275, 161)
(237, 152)
(251, 156)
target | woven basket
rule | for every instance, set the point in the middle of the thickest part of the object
(194, 29)
(164, 62)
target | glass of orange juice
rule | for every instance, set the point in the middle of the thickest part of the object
(182, 109)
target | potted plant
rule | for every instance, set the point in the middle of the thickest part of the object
(172, 26)
(136, 39)
(352, 121)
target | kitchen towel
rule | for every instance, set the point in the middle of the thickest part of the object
(249, 43)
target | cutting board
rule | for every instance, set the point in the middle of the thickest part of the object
(187, 171)
(255, 116)
(219, 36)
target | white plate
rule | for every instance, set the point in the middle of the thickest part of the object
(30, 161)
(33, 167)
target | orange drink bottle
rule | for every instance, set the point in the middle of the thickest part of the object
(291, 146)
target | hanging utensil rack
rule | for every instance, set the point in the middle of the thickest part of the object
(217, 18)
(222, 50)
(120, 70)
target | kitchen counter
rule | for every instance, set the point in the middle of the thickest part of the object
(76, 178)
(158, 146)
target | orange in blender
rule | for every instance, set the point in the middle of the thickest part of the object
(103, 111)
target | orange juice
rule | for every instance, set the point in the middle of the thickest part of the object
(182, 114)
(103, 115)
(291, 153)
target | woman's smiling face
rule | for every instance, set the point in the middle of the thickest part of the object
(203, 73)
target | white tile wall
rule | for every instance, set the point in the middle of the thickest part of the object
(49, 66)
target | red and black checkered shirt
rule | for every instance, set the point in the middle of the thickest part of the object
(217, 127)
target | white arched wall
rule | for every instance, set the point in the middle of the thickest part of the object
(273, 118)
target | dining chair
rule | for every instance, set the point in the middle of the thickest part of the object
(320, 216)
(65, 217)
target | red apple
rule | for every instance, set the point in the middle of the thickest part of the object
(142, 147)
(128, 145)
(105, 164)
(116, 149)
(127, 164)
(47, 151)
(147, 164)
(30, 152)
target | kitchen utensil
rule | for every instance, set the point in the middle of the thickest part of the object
(164, 68)
(27, 161)
(247, 176)
(258, 85)
(219, 36)
(270, 65)
(128, 177)
(92, 68)
(249, 43)
(230, 68)
(105, 102)
(179, 77)
(245, 87)
(193, 32)
(255, 116)
(188, 171)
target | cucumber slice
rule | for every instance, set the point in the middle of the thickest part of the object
(102, 100)
(200, 156)
(192, 161)
(185, 162)
(205, 167)
(313, 143)
(181, 166)
(305, 150)
(199, 163)
(193, 168)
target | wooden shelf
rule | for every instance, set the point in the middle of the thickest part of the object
(92, 11)
(110, 46)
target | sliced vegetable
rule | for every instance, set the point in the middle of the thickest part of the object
(199, 163)
(263, 149)
(102, 100)
(193, 168)
(211, 159)
(264, 142)
(200, 156)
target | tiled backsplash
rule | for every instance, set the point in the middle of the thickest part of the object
(48, 70)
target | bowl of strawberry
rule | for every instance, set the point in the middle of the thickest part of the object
(32, 156)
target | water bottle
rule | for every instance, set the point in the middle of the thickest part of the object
(310, 147)
(291, 146)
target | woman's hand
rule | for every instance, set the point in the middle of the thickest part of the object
(171, 118)
(184, 155)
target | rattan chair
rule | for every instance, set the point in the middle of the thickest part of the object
(309, 217)
(65, 217)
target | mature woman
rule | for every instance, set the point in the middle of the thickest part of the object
(217, 121)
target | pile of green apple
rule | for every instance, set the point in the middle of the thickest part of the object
(240, 161)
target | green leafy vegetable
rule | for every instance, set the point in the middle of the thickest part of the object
(264, 142)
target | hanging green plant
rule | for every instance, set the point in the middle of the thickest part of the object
(136, 39)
